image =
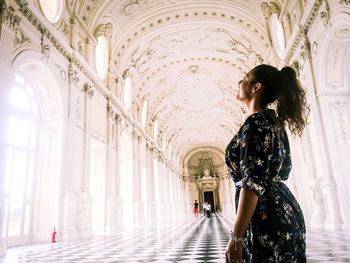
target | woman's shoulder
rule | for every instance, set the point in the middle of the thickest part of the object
(259, 121)
(264, 116)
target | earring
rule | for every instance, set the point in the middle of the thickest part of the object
(253, 92)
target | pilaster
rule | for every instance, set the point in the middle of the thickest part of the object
(320, 148)
(111, 199)
(89, 93)
(8, 22)
(138, 207)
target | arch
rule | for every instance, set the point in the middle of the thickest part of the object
(192, 152)
(48, 82)
(339, 22)
(43, 174)
(333, 90)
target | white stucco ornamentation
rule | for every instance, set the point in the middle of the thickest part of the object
(197, 92)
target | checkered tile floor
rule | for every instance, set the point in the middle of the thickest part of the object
(187, 240)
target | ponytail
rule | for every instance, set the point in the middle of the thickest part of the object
(292, 108)
(284, 88)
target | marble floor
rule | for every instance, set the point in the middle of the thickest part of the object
(186, 240)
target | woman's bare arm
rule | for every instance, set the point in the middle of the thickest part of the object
(246, 207)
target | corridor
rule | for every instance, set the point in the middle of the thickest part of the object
(186, 240)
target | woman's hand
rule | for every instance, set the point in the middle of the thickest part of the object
(233, 252)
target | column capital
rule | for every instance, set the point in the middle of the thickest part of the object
(268, 9)
(88, 90)
(105, 30)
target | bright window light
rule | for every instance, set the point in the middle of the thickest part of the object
(277, 34)
(52, 9)
(101, 56)
(18, 132)
(128, 92)
(21, 146)
(19, 99)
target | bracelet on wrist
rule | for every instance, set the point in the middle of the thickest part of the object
(235, 238)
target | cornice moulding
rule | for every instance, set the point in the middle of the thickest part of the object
(309, 16)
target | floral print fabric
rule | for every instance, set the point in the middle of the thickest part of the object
(258, 158)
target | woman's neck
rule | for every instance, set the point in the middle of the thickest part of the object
(253, 107)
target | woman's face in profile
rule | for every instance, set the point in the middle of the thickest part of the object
(245, 88)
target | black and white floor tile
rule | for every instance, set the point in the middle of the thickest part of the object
(187, 240)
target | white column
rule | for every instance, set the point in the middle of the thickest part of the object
(117, 175)
(183, 195)
(310, 196)
(138, 208)
(176, 196)
(75, 220)
(67, 228)
(320, 145)
(186, 192)
(143, 180)
(178, 200)
(329, 190)
(161, 188)
(152, 207)
(229, 196)
(111, 199)
(169, 205)
(7, 25)
(222, 194)
(84, 198)
(172, 190)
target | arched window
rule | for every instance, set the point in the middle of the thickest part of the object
(20, 162)
(101, 56)
(277, 34)
(52, 9)
(144, 113)
(127, 92)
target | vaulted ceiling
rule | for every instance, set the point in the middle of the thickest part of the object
(185, 58)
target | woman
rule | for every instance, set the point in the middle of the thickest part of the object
(196, 208)
(269, 225)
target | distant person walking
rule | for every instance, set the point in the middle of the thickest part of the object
(204, 206)
(208, 208)
(196, 209)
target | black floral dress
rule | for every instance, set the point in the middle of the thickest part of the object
(258, 158)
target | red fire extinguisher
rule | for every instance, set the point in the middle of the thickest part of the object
(53, 235)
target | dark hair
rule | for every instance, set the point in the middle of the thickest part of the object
(284, 88)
